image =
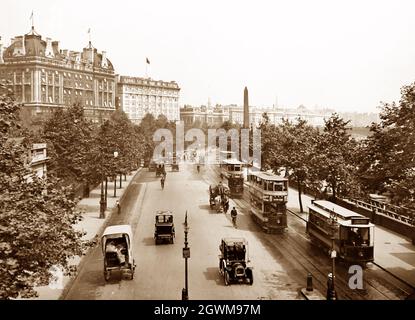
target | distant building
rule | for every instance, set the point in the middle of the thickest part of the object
(139, 96)
(38, 159)
(210, 116)
(276, 116)
(45, 78)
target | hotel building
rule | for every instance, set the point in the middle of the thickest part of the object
(44, 77)
(139, 96)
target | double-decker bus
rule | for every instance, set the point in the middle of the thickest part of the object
(348, 233)
(268, 198)
(232, 170)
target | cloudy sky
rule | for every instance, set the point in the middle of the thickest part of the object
(348, 55)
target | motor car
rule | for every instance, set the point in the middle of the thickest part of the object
(164, 227)
(234, 264)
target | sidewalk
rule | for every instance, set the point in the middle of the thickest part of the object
(91, 224)
(393, 251)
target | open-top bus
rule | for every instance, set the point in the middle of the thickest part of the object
(268, 198)
(351, 233)
(232, 170)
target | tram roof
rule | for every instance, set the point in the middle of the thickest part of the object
(232, 161)
(268, 176)
(324, 207)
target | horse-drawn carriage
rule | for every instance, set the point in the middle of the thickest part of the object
(219, 198)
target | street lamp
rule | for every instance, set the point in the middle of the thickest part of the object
(102, 202)
(115, 176)
(331, 292)
(186, 255)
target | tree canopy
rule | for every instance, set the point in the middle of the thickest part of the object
(36, 215)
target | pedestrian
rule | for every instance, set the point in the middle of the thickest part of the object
(234, 214)
(118, 207)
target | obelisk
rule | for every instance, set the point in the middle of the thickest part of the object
(246, 109)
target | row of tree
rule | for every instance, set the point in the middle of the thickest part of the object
(331, 160)
(37, 216)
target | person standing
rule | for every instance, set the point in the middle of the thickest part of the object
(234, 214)
(118, 207)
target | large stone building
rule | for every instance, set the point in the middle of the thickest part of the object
(139, 96)
(211, 116)
(44, 77)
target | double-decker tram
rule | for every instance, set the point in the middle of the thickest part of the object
(349, 232)
(268, 198)
(232, 170)
(226, 155)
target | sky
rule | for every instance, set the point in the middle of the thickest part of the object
(347, 55)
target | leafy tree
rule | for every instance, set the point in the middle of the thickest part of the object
(332, 160)
(291, 148)
(36, 216)
(69, 136)
(388, 160)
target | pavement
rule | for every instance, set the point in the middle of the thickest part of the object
(92, 225)
(393, 252)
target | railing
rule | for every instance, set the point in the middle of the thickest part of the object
(385, 209)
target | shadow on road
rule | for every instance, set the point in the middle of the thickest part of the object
(212, 274)
(149, 241)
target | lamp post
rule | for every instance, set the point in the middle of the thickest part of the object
(186, 255)
(115, 176)
(331, 291)
(102, 201)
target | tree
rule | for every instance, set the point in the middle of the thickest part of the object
(291, 149)
(332, 160)
(388, 159)
(70, 136)
(36, 216)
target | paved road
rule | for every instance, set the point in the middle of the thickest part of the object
(281, 262)
(160, 269)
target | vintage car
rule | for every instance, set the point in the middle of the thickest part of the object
(164, 227)
(117, 249)
(233, 261)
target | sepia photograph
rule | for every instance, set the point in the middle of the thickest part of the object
(234, 153)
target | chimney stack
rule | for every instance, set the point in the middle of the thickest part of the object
(49, 50)
(104, 62)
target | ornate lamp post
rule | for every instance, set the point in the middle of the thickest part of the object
(115, 176)
(331, 292)
(186, 255)
(102, 202)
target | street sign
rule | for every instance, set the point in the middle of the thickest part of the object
(186, 253)
(333, 254)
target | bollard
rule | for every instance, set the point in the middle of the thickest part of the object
(309, 282)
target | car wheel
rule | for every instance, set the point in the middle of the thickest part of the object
(132, 273)
(171, 240)
(226, 278)
(251, 278)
